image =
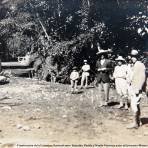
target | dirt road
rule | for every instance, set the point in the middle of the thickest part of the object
(40, 114)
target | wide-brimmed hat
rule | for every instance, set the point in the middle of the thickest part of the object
(74, 68)
(120, 58)
(85, 61)
(101, 51)
(134, 52)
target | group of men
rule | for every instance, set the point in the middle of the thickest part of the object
(74, 77)
(129, 76)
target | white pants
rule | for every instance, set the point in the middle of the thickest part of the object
(84, 78)
(103, 96)
(135, 100)
(121, 86)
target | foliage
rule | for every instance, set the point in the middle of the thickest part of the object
(69, 31)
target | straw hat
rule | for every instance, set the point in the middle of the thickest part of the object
(85, 61)
(120, 58)
(101, 51)
(74, 68)
(134, 52)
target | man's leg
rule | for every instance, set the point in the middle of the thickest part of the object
(138, 115)
(82, 80)
(100, 85)
(126, 102)
(86, 81)
(75, 85)
(120, 98)
(121, 90)
(54, 78)
(135, 100)
(124, 87)
(72, 85)
(106, 92)
(123, 102)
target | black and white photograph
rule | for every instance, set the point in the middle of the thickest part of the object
(73, 73)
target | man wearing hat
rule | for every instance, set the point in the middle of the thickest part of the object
(120, 75)
(137, 82)
(74, 76)
(85, 74)
(103, 68)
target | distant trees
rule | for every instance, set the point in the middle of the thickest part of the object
(70, 30)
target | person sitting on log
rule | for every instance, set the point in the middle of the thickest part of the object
(74, 76)
(3, 78)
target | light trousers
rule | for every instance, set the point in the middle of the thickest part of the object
(103, 96)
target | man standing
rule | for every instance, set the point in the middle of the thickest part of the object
(103, 68)
(137, 82)
(85, 74)
(120, 75)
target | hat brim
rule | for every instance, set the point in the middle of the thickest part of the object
(120, 60)
(103, 52)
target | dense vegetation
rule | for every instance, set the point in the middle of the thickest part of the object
(61, 33)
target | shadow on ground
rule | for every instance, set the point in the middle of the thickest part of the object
(113, 103)
(144, 120)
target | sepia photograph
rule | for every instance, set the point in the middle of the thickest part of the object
(73, 73)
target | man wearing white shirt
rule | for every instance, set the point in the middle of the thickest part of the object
(120, 75)
(74, 76)
(85, 74)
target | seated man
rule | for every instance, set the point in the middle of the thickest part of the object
(24, 60)
(74, 76)
(3, 78)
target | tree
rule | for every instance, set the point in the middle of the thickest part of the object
(71, 30)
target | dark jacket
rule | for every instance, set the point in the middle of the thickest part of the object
(103, 76)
